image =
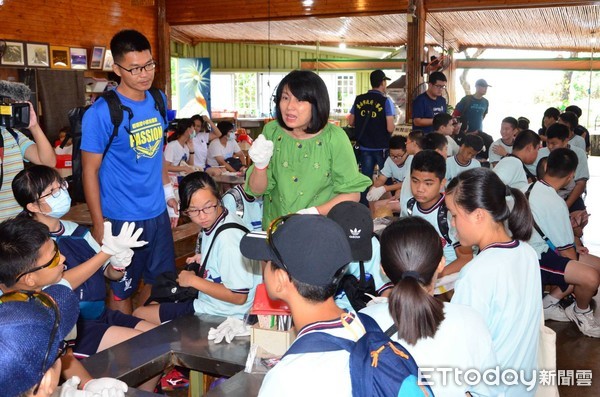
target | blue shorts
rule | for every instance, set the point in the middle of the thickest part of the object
(553, 268)
(156, 257)
(171, 311)
(91, 332)
(578, 205)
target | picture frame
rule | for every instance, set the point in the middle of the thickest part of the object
(78, 58)
(97, 57)
(60, 57)
(14, 55)
(107, 65)
(38, 55)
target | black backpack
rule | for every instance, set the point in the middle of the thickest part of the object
(442, 218)
(116, 109)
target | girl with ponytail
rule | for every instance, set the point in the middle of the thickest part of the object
(502, 282)
(436, 334)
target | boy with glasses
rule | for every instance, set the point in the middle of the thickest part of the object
(429, 103)
(130, 183)
(30, 262)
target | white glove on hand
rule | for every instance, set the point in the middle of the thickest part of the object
(261, 151)
(69, 389)
(126, 239)
(228, 329)
(106, 387)
(308, 211)
(375, 300)
(122, 259)
(375, 193)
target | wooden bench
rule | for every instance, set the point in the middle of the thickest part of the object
(183, 342)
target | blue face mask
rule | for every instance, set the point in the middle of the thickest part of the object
(59, 205)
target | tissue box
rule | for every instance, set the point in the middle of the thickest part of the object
(271, 340)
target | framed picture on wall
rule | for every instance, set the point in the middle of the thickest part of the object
(38, 55)
(14, 54)
(108, 61)
(59, 57)
(78, 58)
(97, 57)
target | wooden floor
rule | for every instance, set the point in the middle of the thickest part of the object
(575, 351)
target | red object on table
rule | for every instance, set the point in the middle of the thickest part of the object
(265, 305)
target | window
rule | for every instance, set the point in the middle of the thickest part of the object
(345, 93)
(244, 95)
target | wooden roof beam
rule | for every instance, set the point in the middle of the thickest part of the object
(479, 5)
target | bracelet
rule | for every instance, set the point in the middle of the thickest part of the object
(192, 152)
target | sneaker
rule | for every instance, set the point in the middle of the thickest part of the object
(555, 312)
(585, 321)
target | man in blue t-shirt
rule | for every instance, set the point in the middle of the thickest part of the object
(372, 114)
(429, 103)
(474, 107)
(130, 183)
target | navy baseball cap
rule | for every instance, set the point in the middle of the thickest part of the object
(313, 248)
(25, 330)
(377, 77)
(357, 223)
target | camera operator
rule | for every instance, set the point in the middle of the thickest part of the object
(16, 148)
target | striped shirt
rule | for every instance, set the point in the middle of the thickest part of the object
(12, 163)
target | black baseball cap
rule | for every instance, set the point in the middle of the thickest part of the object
(482, 83)
(377, 76)
(357, 223)
(313, 248)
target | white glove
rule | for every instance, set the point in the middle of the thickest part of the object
(168, 191)
(69, 389)
(375, 193)
(261, 151)
(122, 259)
(106, 387)
(308, 211)
(375, 300)
(126, 239)
(228, 329)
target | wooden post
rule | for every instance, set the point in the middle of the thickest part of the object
(162, 79)
(414, 53)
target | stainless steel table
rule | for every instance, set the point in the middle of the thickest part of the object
(183, 341)
(241, 384)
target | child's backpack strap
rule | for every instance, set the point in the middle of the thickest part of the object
(239, 200)
(221, 228)
(535, 225)
(442, 217)
(316, 342)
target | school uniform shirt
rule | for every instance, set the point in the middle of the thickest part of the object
(431, 216)
(552, 216)
(175, 154)
(215, 149)
(130, 175)
(582, 172)
(503, 283)
(493, 157)
(253, 208)
(391, 170)
(453, 147)
(406, 191)
(315, 374)
(578, 142)
(373, 271)
(226, 265)
(511, 172)
(12, 163)
(461, 341)
(201, 141)
(455, 167)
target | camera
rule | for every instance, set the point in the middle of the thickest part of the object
(13, 115)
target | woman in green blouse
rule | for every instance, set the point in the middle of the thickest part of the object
(302, 163)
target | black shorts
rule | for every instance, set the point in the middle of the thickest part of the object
(552, 268)
(171, 311)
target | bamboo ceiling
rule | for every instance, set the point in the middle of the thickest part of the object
(556, 28)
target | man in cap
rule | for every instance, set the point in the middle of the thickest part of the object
(306, 256)
(372, 115)
(474, 107)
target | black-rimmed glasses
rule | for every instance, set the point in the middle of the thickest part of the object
(47, 301)
(194, 212)
(271, 231)
(149, 67)
(55, 261)
(64, 185)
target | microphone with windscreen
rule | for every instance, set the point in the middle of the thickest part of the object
(12, 113)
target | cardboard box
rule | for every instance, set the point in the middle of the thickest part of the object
(273, 341)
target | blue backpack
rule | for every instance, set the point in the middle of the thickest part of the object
(378, 365)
